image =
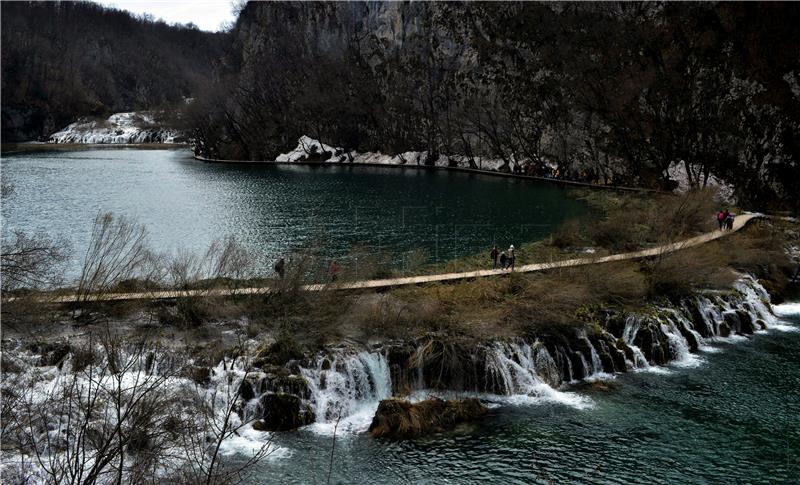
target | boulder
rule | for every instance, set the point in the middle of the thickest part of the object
(731, 323)
(400, 419)
(745, 322)
(283, 412)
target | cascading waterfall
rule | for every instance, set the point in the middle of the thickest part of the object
(546, 366)
(758, 300)
(516, 370)
(420, 377)
(632, 325)
(678, 345)
(711, 313)
(348, 387)
(597, 365)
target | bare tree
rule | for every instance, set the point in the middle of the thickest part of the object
(32, 261)
(214, 420)
(126, 417)
(117, 251)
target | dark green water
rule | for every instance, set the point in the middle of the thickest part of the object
(733, 419)
(278, 209)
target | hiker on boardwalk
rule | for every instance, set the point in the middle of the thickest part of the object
(280, 268)
(333, 270)
(503, 260)
(729, 221)
(511, 257)
(494, 255)
(721, 220)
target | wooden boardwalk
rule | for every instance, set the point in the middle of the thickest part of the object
(739, 223)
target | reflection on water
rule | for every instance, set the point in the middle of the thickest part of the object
(276, 209)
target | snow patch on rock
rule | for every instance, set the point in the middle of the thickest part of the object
(311, 150)
(120, 128)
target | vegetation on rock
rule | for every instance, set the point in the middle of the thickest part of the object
(396, 418)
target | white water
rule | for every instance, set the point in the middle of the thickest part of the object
(628, 335)
(679, 346)
(786, 309)
(345, 396)
(349, 391)
(514, 367)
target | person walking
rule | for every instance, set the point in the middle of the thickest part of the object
(725, 218)
(503, 260)
(280, 268)
(333, 271)
(729, 221)
(494, 254)
(721, 220)
(511, 257)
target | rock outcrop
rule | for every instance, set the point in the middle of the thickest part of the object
(396, 418)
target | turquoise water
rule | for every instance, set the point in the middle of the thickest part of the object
(278, 209)
(733, 419)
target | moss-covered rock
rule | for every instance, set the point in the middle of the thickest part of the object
(400, 419)
(283, 412)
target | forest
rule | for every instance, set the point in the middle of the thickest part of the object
(65, 60)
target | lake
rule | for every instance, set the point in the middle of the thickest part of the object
(278, 209)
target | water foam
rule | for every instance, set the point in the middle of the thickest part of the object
(787, 309)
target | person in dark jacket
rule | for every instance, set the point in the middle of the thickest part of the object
(721, 220)
(280, 268)
(729, 221)
(494, 254)
(503, 260)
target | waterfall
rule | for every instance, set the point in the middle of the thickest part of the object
(678, 345)
(628, 335)
(420, 377)
(513, 367)
(571, 373)
(597, 364)
(710, 313)
(348, 389)
(758, 300)
(546, 366)
(586, 371)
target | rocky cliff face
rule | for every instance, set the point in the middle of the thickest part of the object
(617, 92)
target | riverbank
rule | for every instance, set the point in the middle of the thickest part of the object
(494, 173)
(35, 146)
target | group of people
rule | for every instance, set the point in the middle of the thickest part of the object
(505, 258)
(725, 220)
